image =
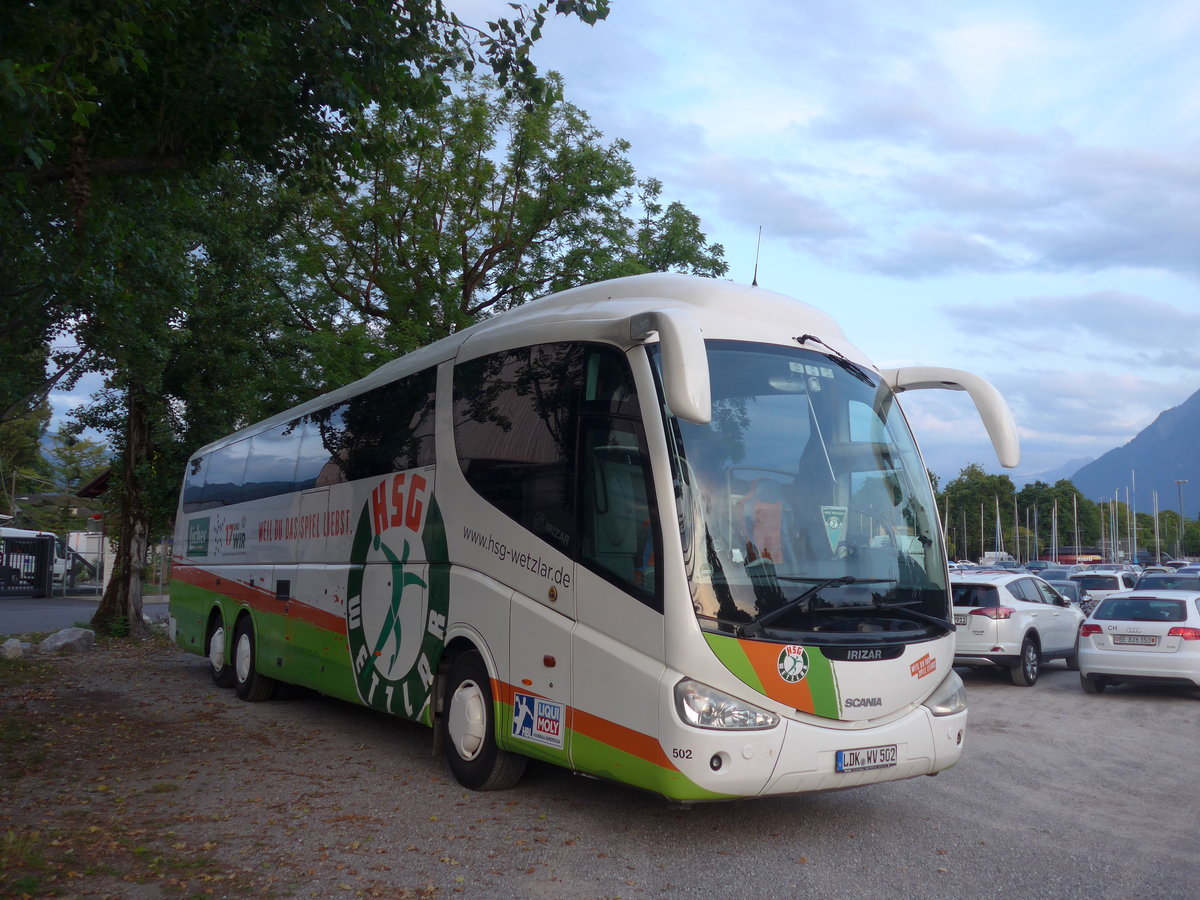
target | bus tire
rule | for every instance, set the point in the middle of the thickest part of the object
(471, 751)
(215, 648)
(249, 684)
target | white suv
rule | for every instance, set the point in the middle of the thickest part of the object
(1014, 621)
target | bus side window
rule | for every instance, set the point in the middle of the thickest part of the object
(515, 417)
(390, 428)
(619, 530)
(319, 464)
(193, 485)
(271, 467)
(223, 482)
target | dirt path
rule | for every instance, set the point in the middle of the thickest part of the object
(126, 774)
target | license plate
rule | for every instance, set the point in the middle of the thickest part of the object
(960, 620)
(1145, 640)
(864, 758)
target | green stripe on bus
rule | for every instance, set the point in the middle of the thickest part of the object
(823, 685)
(730, 652)
(604, 761)
(312, 656)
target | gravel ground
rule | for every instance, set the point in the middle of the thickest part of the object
(126, 773)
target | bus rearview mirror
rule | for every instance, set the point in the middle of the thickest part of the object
(997, 417)
(684, 362)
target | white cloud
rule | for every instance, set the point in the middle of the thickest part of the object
(1137, 326)
(984, 57)
(930, 250)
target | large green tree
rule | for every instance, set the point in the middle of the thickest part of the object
(969, 505)
(478, 204)
(973, 502)
(22, 467)
(188, 320)
(111, 108)
(95, 90)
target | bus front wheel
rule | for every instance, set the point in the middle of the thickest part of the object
(471, 750)
(250, 685)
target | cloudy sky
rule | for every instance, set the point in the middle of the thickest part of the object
(1007, 187)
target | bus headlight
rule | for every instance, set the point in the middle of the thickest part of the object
(949, 697)
(706, 707)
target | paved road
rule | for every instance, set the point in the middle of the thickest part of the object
(23, 615)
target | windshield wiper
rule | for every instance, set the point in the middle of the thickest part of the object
(901, 607)
(755, 626)
(838, 357)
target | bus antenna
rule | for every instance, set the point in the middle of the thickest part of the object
(757, 247)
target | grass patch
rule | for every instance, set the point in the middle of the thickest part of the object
(57, 863)
(21, 850)
(17, 730)
(16, 672)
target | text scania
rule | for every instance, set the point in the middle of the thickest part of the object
(857, 702)
(527, 561)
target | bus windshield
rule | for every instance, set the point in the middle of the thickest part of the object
(805, 508)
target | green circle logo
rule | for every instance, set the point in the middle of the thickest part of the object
(792, 663)
(397, 599)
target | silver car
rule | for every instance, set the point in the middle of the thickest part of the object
(1099, 584)
(1150, 637)
(1014, 621)
(1073, 592)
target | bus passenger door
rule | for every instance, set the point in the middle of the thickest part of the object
(619, 638)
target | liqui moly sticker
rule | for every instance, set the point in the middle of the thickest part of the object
(538, 720)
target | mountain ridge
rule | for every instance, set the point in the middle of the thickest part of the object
(1160, 455)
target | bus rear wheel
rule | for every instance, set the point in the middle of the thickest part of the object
(471, 750)
(218, 666)
(250, 685)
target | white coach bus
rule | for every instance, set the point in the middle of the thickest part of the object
(668, 531)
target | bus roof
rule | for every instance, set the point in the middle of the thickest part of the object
(601, 311)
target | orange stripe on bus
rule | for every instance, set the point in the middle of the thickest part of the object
(619, 737)
(259, 598)
(764, 658)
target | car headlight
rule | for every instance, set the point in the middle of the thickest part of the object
(706, 707)
(949, 697)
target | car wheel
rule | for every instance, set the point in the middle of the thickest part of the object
(218, 666)
(250, 685)
(1073, 659)
(1025, 672)
(471, 750)
(1092, 684)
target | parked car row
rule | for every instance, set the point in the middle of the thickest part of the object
(1017, 620)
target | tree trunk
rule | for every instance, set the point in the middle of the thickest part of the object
(120, 609)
